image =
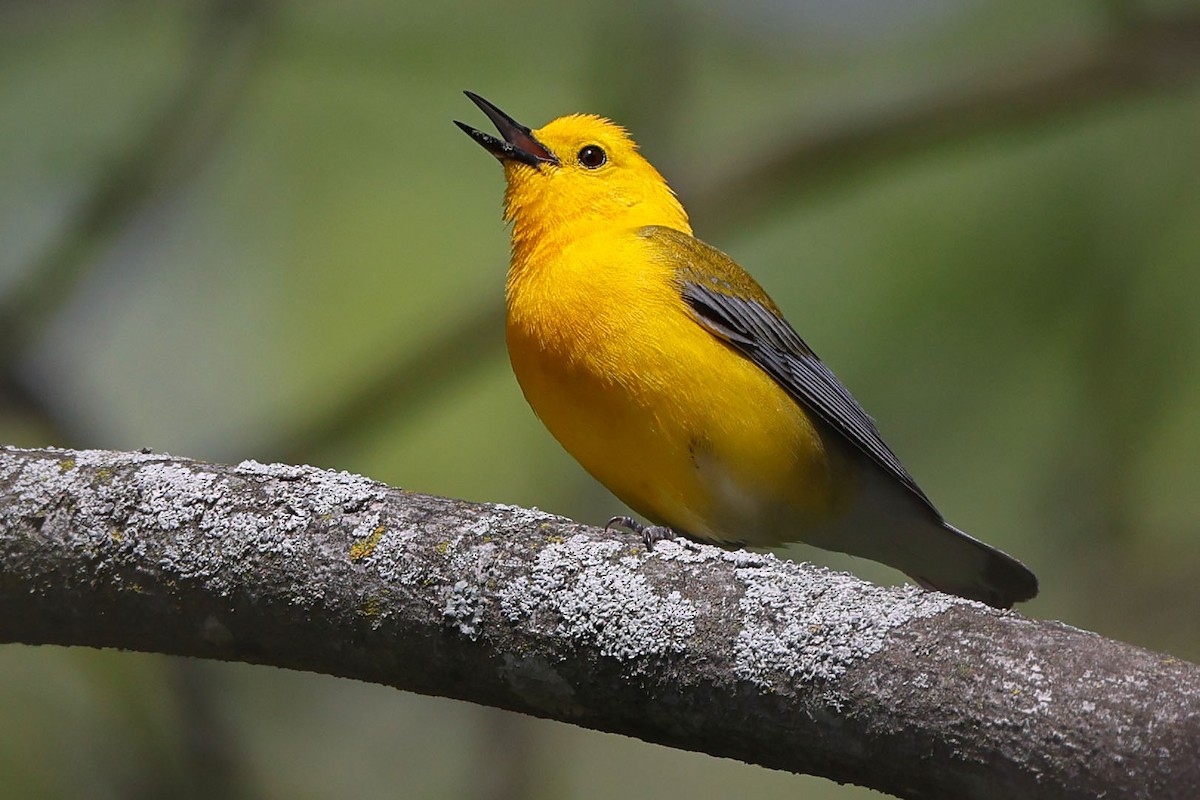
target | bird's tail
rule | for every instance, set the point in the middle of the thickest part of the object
(946, 559)
(893, 526)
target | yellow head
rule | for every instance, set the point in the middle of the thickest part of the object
(576, 174)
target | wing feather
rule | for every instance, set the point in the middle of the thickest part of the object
(732, 307)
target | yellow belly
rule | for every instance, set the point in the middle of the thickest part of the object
(673, 421)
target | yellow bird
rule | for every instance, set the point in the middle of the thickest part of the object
(672, 377)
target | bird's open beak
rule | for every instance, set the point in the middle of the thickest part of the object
(519, 143)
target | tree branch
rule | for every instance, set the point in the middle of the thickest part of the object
(225, 44)
(735, 654)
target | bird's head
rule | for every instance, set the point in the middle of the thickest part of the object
(576, 172)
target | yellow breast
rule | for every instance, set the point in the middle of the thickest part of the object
(673, 421)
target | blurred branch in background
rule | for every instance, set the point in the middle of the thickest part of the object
(215, 762)
(639, 68)
(227, 40)
(1124, 13)
(506, 756)
(730, 653)
(403, 386)
(1152, 54)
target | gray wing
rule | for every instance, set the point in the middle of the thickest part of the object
(775, 347)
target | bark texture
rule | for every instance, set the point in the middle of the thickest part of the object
(735, 654)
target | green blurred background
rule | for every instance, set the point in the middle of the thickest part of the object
(238, 230)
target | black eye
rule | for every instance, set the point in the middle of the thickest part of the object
(592, 156)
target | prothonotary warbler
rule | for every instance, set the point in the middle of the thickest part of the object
(672, 377)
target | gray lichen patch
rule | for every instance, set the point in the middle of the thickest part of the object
(812, 624)
(686, 551)
(800, 622)
(590, 593)
(211, 537)
(394, 559)
(519, 517)
(172, 497)
(1028, 686)
(462, 608)
(321, 492)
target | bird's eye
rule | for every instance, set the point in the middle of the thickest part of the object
(592, 156)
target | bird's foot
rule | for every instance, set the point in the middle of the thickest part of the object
(651, 534)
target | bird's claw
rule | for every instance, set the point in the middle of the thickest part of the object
(651, 534)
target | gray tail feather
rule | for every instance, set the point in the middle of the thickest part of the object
(946, 559)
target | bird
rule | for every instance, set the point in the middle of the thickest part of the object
(671, 376)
